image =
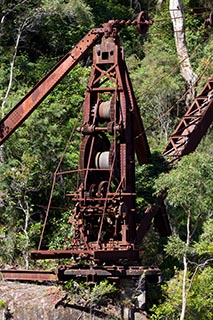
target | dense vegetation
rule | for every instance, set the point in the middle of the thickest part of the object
(34, 35)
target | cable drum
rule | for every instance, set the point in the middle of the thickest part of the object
(90, 147)
(104, 110)
(102, 160)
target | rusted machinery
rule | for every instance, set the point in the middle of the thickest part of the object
(107, 228)
(104, 217)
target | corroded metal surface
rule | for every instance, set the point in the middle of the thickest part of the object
(105, 212)
(109, 271)
(193, 126)
(64, 273)
(28, 275)
(104, 218)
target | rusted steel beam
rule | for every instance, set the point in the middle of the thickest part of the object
(115, 255)
(29, 103)
(161, 221)
(108, 271)
(58, 254)
(140, 140)
(107, 255)
(193, 126)
(28, 275)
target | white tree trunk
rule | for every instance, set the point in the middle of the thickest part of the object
(25, 248)
(12, 63)
(4, 100)
(184, 294)
(185, 269)
(175, 8)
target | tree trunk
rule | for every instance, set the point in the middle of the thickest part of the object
(185, 269)
(175, 8)
(184, 295)
(12, 63)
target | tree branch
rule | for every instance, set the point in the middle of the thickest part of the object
(11, 10)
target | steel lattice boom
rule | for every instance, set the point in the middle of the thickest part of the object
(193, 126)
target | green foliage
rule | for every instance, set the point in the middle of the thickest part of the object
(189, 185)
(199, 283)
(152, 248)
(37, 147)
(189, 188)
(145, 175)
(89, 294)
(170, 307)
(199, 300)
(108, 10)
(62, 231)
(101, 290)
(177, 247)
(156, 79)
(205, 244)
(2, 304)
(46, 27)
(200, 305)
(35, 150)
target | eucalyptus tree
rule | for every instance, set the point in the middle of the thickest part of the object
(189, 199)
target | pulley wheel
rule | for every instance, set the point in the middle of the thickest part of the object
(143, 22)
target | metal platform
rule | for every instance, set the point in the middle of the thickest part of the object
(107, 255)
(64, 273)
